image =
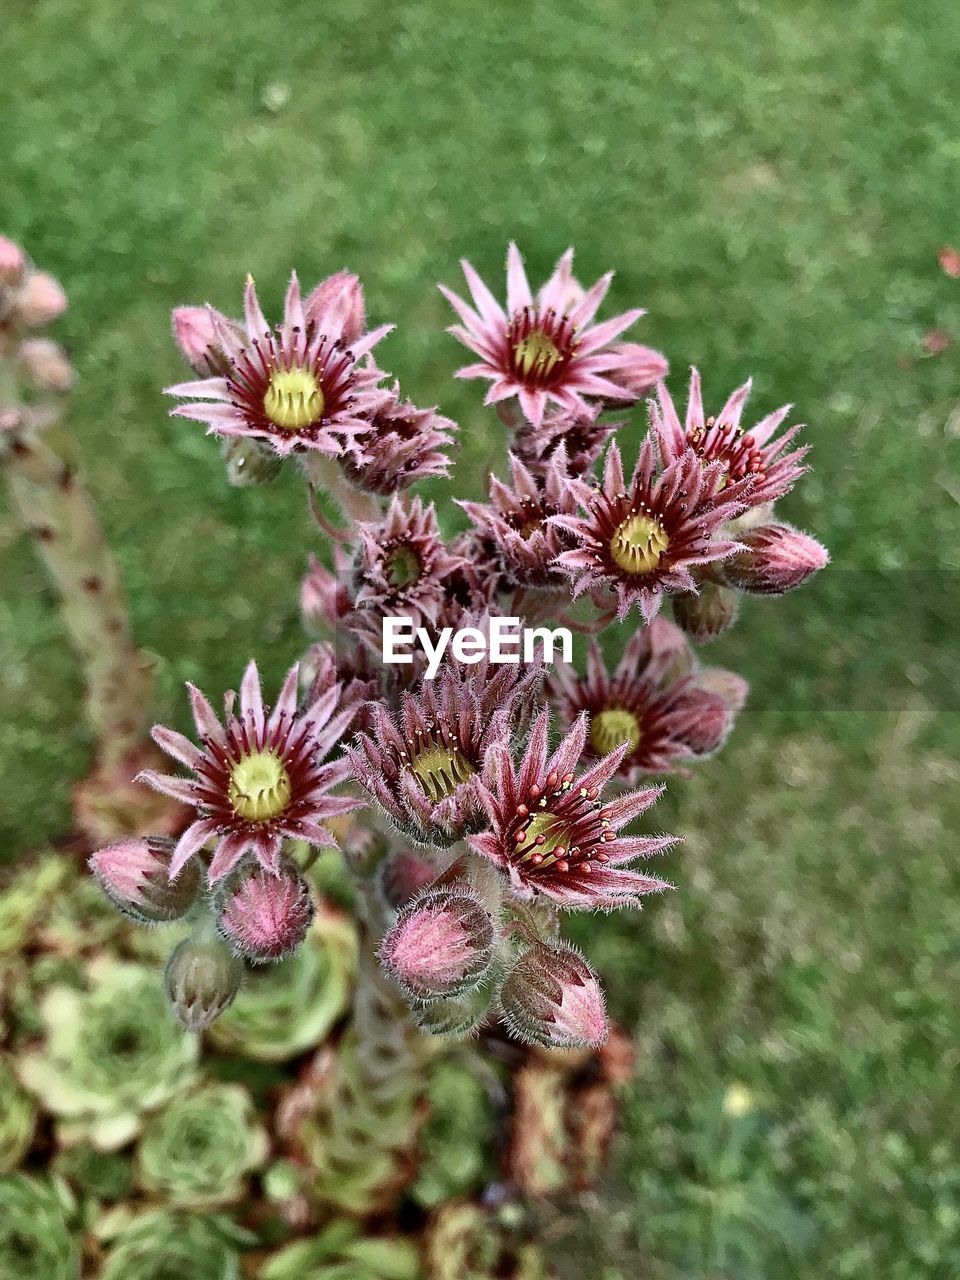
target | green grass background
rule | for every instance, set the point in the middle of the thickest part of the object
(772, 181)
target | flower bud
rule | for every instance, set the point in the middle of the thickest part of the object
(13, 262)
(402, 875)
(133, 874)
(195, 335)
(733, 689)
(265, 916)
(39, 301)
(337, 303)
(706, 614)
(46, 365)
(638, 369)
(457, 1017)
(709, 722)
(778, 558)
(201, 978)
(552, 997)
(440, 945)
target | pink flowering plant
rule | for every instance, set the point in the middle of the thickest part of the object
(476, 793)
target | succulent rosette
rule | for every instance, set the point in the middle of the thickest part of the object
(465, 1241)
(199, 1151)
(286, 1008)
(36, 1242)
(640, 540)
(304, 385)
(18, 1117)
(423, 766)
(109, 1055)
(340, 1251)
(545, 349)
(453, 1143)
(258, 778)
(516, 523)
(165, 1245)
(552, 834)
(756, 452)
(652, 700)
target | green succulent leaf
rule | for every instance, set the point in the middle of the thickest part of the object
(163, 1245)
(18, 1115)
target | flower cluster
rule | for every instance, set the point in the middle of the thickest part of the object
(475, 799)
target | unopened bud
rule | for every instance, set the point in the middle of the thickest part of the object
(46, 365)
(709, 722)
(778, 558)
(402, 875)
(440, 945)
(337, 305)
(733, 689)
(638, 368)
(553, 997)
(706, 614)
(457, 1017)
(39, 300)
(202, 978)
(195, 335)
(134, 875)
(265, 916)
(13, 262)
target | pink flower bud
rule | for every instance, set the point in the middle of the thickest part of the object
(46, 365)
(733, 689)
(402, 875)
(553, 997)
(39, 301)
(134, 875)
(639, 369)
(201, 979)
(265, 916)
(194, 334)
(336, 306)
(706, 614)
(709, 722)
(440, 945)
(778, 558)
(13, 261)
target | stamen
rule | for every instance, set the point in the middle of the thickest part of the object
(638, 543)
(612, 726)
(259, 787)
(439, 769)
(294, 399)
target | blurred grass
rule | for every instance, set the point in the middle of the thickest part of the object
(773, 182)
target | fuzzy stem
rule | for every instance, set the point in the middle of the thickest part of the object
(53, 505)
(324, 474)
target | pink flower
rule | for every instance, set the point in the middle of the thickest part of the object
(39, 301)
(545, 348)
(423, 766)
(516, 526)
(337, 302)
(302, 386)
(551, 833)
(652, 701)
(638, 368)
(13, 261)
(776, 559)
(400, 445)
(642, 539)
(257, 778)
(581, 434)
(135, 876)
(741, 454)
(266, 915)
(195, 333)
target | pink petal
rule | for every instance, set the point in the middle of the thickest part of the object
(518, 287)
(194, 838)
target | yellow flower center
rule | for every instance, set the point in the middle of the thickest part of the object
(439, 770)
(638, 543)
(536, 354)
(293, 399)
(259, 787)
(611, 727)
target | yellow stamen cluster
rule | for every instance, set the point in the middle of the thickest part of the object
(439, 770)
(612, 726)
(638, 543)
(536, 354)
(259, 786)
(294, 399)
